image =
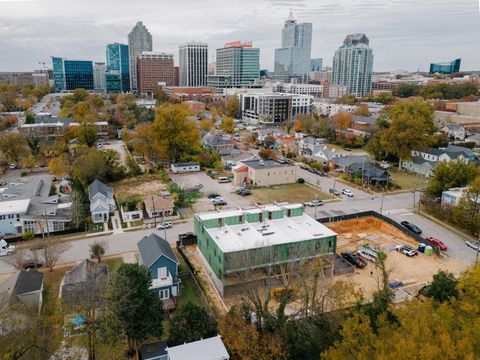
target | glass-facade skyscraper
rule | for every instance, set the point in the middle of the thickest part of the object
(69, 75)
(239, 62)
(316, 65)
(353, 65)
(118, 64)
(446, 67)
(139, 40)
(292, 60)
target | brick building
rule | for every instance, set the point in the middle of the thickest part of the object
(154, 68)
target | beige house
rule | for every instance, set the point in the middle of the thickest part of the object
(264, 173)
(158, 206)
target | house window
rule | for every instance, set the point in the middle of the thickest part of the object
(164, 294)
(162, 272)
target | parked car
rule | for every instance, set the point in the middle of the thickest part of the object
(239, 190)
(6, 248)
(224, 179)
(245, 192)
(407, 250)
(472, 244)
(213, 195)
(438, 243)
(165, 225)
(347, 149)
(355, 260)
(347, 193)
(304, 167)
(218, 198)
(334, 191)
(314, 203)
(319, 172)
(12, 166)
(412, 227)
(219, 202)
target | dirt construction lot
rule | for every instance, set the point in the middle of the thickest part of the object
(378, 234)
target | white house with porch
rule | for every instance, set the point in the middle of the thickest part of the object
(102, 203)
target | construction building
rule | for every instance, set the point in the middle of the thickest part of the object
(235, 241)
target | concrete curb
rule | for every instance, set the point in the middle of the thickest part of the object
(444, 224)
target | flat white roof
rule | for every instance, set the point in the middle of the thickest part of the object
(205, 349)
(231, 238)
(14, 206)
(235, 212)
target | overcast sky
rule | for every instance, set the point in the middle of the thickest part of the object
(404, 34)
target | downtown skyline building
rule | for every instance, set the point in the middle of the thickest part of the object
(193, 64)
(353, 65)
(99, 79)
(154, 69)
(118, 67)
(292, 60)
(139, 40)
(69, 75)
(237, 65)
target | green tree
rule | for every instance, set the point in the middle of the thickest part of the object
(29, 118)
(79, 207)
(177, 134)
(33, 143)
(406, 90)
(61, 165)
(29, 162)
(13, 145)
(443, 287)
(86, 134)
(232, 107)
(132, 308)
(269, 141)
(449, 175)
(89, 166)
(411, 127)
(467, 212)
(190, 323)
(228, 125)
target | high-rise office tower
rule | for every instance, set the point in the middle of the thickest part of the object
(353, 65)
(154, 68)
(139, 40)
(99, 80)
(69, 75)
(292, 60)
(316, 65)
(118, 64)
(239, 62)
(193, 64)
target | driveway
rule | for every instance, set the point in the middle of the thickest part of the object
(226, 190)
(119, 147)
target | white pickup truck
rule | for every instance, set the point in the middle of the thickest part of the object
(6, 249)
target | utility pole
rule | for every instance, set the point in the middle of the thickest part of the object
(415, 190)
(316, 200)
(334, 183)
(154, 212)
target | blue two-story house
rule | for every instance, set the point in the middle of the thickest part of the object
(158, 257)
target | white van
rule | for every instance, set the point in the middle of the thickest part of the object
(6, 249)
(224, 179)
(368, 254)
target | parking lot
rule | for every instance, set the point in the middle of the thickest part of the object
(209, 185)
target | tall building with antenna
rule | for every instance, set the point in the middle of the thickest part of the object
(139, 40)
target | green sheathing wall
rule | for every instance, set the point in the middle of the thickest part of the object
(252, 218)
(210, 250)
(277, 254)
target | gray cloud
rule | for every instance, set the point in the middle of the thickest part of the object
(404, 34)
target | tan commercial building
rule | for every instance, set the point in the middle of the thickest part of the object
(264, 173)
(154, 68)
(185, 93)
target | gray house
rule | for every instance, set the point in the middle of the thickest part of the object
(158, 257)
(102, 203)
(88, 276)
(218, 143)
(23, 287)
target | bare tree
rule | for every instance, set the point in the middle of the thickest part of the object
(17, 258)
(53, 249)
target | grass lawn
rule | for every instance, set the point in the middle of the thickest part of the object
(113, 263)
(407, 181)
(292, 193)
(188, 290)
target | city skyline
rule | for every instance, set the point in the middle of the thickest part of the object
(31, 31)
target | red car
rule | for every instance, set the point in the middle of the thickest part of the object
(438, 243)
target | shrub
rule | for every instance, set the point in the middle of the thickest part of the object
(23, 173)
(301, 180)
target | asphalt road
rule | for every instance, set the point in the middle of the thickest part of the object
(398, 206)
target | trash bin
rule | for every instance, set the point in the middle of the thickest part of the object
(428, 250)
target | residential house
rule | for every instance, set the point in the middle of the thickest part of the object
(29, 205)
(236, 156)
(23, 287)
(179, 168)
(159, 206)
(219, 143)
(204, 349)
(264, 173)
(452, 196)
(131, 214)
(369, 173)
(454, 131)
(158, 257)
(343, 163)
(325, 155)
(88, 276)
(308, 144)
(363, 125)
(102, 203)
(424, 161)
